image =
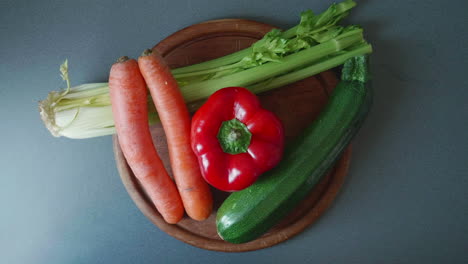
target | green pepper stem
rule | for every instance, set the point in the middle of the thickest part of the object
(234, 137)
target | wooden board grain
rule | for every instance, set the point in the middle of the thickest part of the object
(297, 105)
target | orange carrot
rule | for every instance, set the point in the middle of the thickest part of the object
(128, 97)
(175, 119)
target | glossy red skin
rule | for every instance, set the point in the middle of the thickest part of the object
(226, 171)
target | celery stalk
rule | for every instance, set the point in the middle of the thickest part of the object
(200, 90)
(95, 118)
(310, 70)
(333, 14)
(316, 44)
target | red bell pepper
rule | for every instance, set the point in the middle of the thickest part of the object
(235, 139)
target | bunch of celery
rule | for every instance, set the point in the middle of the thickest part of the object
(316, 44)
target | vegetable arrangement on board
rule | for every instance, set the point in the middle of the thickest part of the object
(231, 143)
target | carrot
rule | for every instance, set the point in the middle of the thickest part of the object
(128, 97)
(175, 119)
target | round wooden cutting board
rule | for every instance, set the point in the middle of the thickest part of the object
(296, 105)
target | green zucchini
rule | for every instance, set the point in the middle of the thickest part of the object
(247, 214)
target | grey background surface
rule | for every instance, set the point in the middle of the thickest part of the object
(405, 200)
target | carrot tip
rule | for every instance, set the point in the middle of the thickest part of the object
(147, 52)
(122, 59)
